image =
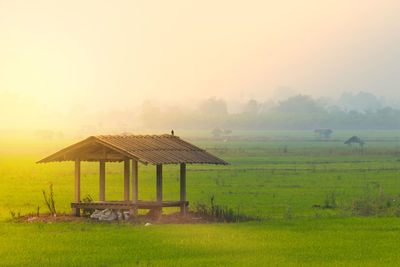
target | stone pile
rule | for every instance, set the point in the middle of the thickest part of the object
(110, 215)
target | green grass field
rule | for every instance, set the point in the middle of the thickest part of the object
(276, 176)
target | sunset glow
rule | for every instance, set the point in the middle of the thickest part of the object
(178, 50)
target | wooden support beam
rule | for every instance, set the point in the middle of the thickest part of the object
(183, 187)
(76, 211)
(126, 179)
(159, 182)
(135, 195)
(102, 183)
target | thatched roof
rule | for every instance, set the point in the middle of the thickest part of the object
(153, 149)
(354, 139)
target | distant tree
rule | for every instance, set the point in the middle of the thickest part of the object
(216, 132)
(361, 102)
(300, 104)
(266, 107)
(326, 133)
(386, 111)
(252, 107)
(213, 106)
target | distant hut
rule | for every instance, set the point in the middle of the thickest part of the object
(355, 139)
(130, 149)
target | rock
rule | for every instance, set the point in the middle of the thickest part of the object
(108, 216)
(96, 214)
(126, 215)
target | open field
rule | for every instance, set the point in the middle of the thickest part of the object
(276, 176)
(318, 242)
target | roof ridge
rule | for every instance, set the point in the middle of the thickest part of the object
(136, 135)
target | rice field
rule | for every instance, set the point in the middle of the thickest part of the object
(283, 178)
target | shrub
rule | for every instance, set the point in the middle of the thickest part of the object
(288, 213)
(330, 201)
(376, 205)
(87, 211)
(49, 200)
(221, 212)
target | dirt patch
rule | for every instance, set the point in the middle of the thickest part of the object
(172, 218)
(177, 218)
(49, 218)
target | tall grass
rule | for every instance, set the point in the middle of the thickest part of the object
(221, 212)
(49, 200)
(376, 205)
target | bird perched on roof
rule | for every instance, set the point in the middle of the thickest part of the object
(172, 132)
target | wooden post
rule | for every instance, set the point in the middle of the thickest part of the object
(159, 182)
(126, 179)
(102, 183)
(183, 187)
(135, 196)
(76, 211)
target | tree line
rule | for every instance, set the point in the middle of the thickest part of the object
(298, 113)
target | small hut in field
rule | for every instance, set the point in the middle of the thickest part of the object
(133, 149)
(355, 139)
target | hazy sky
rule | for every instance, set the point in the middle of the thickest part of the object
(104, 54)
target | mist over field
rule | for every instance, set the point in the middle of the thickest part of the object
(291, 112)
(181, 64)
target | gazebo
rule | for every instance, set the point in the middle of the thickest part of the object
(131, 149)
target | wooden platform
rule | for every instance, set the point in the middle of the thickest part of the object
(128, 205)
